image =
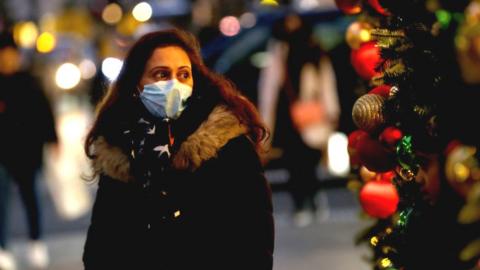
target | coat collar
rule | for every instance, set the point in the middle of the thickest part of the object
(202, 145)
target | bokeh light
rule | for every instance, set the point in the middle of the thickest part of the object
(112, 13)
(25, 34)
(248, 20)
(67, 76)
(229, 26)
(111, 67)
(87, 69)
(269, 3)
(338, 158)
(142, 12)
(46, 42)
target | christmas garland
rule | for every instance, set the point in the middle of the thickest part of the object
(399, 147)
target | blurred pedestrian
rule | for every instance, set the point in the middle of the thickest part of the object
(298, 100)
(27, 124)
(176, 149)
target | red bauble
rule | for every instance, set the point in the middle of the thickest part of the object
(365, 59)
(390, 137)
(373, 155)
(353, 140)
(349, 7)
(355, 137)
(386, 176)
(382, 90)
(379, 199)
(378, 8)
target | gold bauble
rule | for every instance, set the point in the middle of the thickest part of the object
(358, 33)
(367, 112)
(462, 168)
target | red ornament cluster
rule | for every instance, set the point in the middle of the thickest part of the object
(365, 57)
(372, 146)
(373, 149)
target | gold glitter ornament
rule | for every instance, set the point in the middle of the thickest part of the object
(367, 112)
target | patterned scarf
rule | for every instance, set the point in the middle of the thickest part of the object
(150, 147)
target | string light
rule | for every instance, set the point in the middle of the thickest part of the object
(385, 262)
(374, 241)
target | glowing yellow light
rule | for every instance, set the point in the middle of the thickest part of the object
(269, 3)
(374, 241)
(385, 262)
(461, 172)
(112, 13)
(389, 230)
(177, 213)
(46, 42)
(387, 249)
(25, 34)
(67, 76)
(142, 12)
(365, 35)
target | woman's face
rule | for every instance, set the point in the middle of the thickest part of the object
(167, 63)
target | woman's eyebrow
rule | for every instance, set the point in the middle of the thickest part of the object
(160, 67)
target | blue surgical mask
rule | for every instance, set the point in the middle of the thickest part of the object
(166, 99)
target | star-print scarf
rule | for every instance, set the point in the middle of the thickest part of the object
(150, 147)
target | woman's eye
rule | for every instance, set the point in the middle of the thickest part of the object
(162, 75)
(184, 75)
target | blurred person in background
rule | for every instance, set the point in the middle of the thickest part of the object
(27, 124)
(298, 101)
(176, 149)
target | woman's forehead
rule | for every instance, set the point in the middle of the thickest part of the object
(169, 56)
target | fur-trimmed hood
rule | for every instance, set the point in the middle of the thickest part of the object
(202, 145)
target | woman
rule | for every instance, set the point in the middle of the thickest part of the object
(177, 151)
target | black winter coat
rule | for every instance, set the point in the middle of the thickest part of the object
(26, 122)
(213, 211)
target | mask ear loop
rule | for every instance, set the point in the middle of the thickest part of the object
(137, 93)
